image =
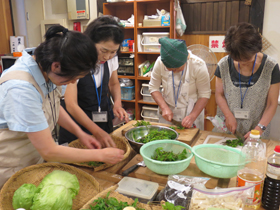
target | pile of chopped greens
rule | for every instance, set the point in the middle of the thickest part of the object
(162, 155)
(111, 204)
(178, 127)
(234, 142)
(94, 164)
(156, 135)
(171, 206)
(141, 123)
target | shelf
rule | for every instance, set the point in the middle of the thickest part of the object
(126, 52)
(143, 78)
(130, 101)
(149, 53)
(126, 76)
(152, 27)
(145, 102)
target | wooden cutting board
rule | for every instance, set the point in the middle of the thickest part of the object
(146, 174)
(187, 135)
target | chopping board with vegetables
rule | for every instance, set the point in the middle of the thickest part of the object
(186, 135)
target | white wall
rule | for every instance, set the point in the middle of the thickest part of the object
(271, 27)
(20, 23)
(271, 31)
(49, 14)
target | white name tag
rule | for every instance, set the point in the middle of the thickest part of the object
(99, 116)
(241, 113)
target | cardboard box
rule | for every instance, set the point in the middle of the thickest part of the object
(16, 43)
(152, 22)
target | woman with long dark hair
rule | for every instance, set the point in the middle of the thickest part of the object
(30, 104)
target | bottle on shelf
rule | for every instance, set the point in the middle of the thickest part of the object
(253, 172)
(271, 189)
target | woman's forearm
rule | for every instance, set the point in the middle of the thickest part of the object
(199, 106)
(157, 96)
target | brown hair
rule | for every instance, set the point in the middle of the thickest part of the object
(242, 41)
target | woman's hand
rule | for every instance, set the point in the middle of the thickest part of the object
(111, 155)
(188, 121)
(89, 141)
(104, 138)
(231, 123)
(120, 113)
(167, 114)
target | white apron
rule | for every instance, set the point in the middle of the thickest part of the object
(185, 104)
(16, 150)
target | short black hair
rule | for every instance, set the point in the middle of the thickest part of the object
(75, 52)
(105, 28)
(243, 41)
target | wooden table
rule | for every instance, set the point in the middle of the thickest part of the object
(111, 176)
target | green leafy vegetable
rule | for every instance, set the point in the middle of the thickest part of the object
(173, 127)
(111, 204)
(23, 196)
(157, 135)
(141, 123)
(95, 164)
(162, 155)
(53, 197)
(180, 127)
(55, 191)
(64, 178)
(171, 206)
(234, 142)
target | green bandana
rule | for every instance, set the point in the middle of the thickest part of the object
(173, 52)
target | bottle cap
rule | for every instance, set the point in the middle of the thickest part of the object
(277, 148)
(255, 132)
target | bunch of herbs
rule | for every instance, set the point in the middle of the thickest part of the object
(234, 142)
(157, 135)
(162, 155)
(111, 204)
(141, 123)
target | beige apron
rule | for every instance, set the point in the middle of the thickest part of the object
(16, 150)
(185, 104)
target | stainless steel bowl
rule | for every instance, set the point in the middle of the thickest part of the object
(137, 133)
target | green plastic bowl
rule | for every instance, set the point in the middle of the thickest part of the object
(166, 167)
(218, 160)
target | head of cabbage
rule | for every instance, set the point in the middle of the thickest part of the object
(55, 191)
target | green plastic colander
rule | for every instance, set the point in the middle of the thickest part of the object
(218, 160)
(166, 167)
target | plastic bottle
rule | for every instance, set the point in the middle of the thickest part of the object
(271, 189)
(253, 172)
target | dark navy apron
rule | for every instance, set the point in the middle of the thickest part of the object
(87, 100)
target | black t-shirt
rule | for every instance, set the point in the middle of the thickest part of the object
(234, 75)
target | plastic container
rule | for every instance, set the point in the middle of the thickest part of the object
(149, 111)
(150, 41)
(144, 190)
(166, 167)
(145, 89)
(253, 172)
(127, 93)
(271, 189)
(146, 93)
(218, 160)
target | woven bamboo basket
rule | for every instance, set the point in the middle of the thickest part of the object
(34, 174)
(122, 198)
(121, 143)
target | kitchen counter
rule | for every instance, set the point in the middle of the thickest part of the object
(111, 176)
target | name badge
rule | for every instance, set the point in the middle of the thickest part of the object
(241, 113)
(99, 116)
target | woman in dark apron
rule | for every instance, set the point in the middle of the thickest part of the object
(87, 100)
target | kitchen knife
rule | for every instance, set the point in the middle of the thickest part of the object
(132, 168)
(239, 135)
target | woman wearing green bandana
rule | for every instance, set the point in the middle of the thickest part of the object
(185, 81)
